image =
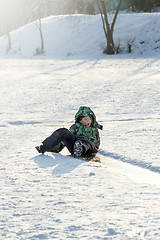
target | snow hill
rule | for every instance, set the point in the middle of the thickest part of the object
(56, 196)
(83, 36)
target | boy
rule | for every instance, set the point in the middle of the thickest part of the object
(81, 138)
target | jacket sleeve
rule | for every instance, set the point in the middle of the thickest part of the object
(97, 139)
(92, 135)
(74, 128)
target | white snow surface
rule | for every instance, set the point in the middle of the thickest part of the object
(55, 196)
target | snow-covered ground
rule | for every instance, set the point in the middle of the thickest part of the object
(59, 197)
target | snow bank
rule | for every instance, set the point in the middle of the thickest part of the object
(83, 36)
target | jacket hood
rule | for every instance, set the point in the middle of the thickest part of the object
(86, 111)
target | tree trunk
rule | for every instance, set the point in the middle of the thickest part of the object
(41, 35)
(108, 29)
(9, 42)
(110, 44)
(39, 26)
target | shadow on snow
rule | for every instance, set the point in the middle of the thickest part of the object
(62, 164)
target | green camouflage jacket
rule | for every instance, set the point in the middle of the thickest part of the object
(91, 134)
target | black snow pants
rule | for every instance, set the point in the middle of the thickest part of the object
(62, 134)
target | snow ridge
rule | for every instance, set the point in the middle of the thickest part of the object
(131, 161)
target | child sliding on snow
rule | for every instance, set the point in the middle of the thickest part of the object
(81, 138)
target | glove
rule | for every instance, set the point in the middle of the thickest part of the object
(95, 150)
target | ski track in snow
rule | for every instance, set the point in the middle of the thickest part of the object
(138, 174)
(133, 162)
(118, 164)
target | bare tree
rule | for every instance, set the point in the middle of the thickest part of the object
(38, 10)
(9, 47)
(39, 26)
(107, 27)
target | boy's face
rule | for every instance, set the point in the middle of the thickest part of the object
(86, 121)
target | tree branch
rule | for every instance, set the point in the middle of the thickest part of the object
(103, 22)
(115, 16)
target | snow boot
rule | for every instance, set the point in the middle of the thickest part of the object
(80, 148)
(41, 149)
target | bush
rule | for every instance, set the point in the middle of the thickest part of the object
(144, 5)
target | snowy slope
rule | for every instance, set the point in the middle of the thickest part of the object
(83, 36)
(58, 197)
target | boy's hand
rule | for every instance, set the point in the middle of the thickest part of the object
(95, 150)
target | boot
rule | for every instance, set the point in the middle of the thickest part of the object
(41, 149)
(80, 148)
